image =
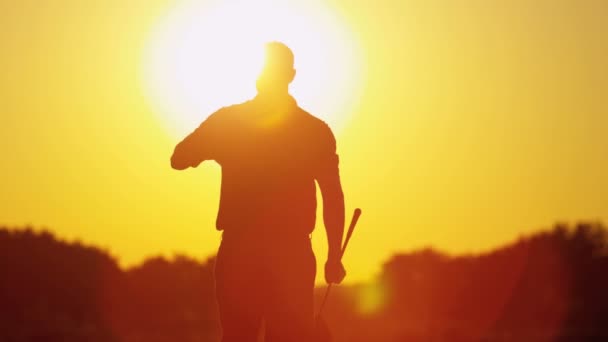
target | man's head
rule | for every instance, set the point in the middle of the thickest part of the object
(278, 71)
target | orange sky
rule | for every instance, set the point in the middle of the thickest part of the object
(474, 122)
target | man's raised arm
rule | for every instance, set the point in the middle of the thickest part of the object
(198, 146)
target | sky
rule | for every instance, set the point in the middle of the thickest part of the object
(464, 124)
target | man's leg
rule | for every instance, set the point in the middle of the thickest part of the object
(238, 285)
(289, 311)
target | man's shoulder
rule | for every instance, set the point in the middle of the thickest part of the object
(240, 107)
(231, 112)
(318, 133)
(313, 121)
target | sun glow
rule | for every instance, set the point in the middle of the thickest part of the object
(205, 55)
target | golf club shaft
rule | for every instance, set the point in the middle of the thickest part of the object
(351, 228)
(349, 233)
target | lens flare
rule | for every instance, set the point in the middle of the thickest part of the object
(371, 298)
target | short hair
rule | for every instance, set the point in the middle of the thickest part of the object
(278, 56)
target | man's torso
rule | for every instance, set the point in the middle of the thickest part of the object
(268, 169)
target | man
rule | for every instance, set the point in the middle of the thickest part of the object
(271, 152)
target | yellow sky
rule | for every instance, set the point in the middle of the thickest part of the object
(477, 121)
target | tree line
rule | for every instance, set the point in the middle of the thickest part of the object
(549, 286)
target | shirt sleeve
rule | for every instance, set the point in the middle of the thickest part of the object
(327, 157)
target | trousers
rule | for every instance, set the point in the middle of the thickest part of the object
(265, 278)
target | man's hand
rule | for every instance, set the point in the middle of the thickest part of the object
(334, 271)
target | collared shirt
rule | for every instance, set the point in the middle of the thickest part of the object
(271, 152)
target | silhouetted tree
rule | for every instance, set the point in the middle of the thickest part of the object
(54, 291)
(550, 286)
(173, 301)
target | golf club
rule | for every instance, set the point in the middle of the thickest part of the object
(322, 333)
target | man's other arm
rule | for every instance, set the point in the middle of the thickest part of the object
(198, 146)
(328, 178)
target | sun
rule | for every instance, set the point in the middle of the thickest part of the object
(205, 55)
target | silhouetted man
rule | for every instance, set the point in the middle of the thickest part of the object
(271, 152)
